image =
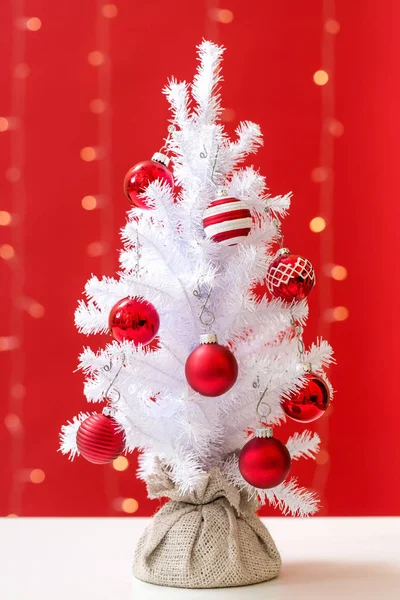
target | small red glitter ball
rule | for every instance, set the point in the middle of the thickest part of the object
(134, 319)
(290, 277)
(100, 439)
(141, 175)
(211, 369)
(310, 403)
(264, 462)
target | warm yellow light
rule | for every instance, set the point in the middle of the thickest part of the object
(89, 202)
(338, 272)
(95, 249)
(22, 70)
(9, 342)
(97, 106)
(121, 463)
(223, 15)
(36, 310)
(33, 24)
(130, 505)
(5, 218)
(340, 313)
(4, 124)
(228, 115)
(321, 77)
(88, 153)
(332, 26)
(13, 423)
(322, 457)
(317, 224)
(96, 58)
(319, 174)
(13, 174)
(37, 476)
(335, 128)
(6, 252)
(109, 11)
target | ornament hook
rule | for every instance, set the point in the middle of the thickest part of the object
(108, 368)
(263, 416)
(206, 316)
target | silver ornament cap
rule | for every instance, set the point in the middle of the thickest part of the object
(161, 158)
(109, 411)
(208, 338)
(222, 193)
(283, 252)
(264, 432)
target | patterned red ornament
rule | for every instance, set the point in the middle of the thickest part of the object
(141, 175)
(264, 461)
(211, 369)
(227, 221)
(100, 438)
(290, 277)
(134, 319)
(310, 403)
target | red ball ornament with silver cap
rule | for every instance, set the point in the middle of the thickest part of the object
(310, 402)
(141, 175)
(264, 461)
(227, 220)
(100, 439)
(211, 369)
(134, 319)
(290, 277)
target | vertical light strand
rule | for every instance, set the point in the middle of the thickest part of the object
(15, 175)
(105, 15)
(325, 78)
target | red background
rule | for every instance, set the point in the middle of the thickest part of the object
(273, 49)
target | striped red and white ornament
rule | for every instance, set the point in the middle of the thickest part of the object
(227, 220)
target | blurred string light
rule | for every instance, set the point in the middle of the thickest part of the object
(323, 175)
(12, 252)
(100, 199)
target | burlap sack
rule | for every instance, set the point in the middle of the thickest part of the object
(208, 538)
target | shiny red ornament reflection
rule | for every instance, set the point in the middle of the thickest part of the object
(211, 369)
(100, 439)
(264, 462)
(310, 403)
(140, 176)
(290, 277)
(134, 319)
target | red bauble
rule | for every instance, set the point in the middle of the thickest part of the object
(264, 461)
(141, 175)
(134, 319)
(310, 403)
(100, 439)
(211, 369)
(227, 221)
(290, 277)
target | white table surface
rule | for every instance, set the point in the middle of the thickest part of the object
(90, 559)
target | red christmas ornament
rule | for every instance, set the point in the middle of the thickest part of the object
(100, 438)
(290, 277)
(310, 403)
(211, 369)
(264, 461)
(134, 319)
(227, 220)
(141, 175)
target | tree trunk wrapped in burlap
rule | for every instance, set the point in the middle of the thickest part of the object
(207, 538)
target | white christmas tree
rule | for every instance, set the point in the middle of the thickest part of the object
(198, 286)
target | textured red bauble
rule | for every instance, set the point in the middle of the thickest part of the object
(211, 369)
(100, 439)
(310, 403)
(141, 175)
(227, 221)
(264, 461)
(134, 319)
(290, 277)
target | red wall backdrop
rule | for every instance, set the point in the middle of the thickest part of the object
(273, 50)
